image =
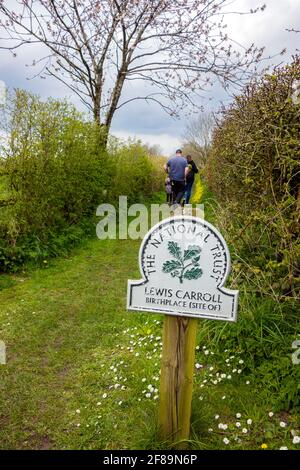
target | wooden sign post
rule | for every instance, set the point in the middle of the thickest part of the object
(176, 383)
(184, 262)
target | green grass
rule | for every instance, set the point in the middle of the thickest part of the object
(66, 330)
(79, 366)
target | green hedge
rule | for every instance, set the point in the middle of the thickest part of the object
(254, 171)
(54, 173)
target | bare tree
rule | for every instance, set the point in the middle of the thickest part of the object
(177, 47)
(153, 150)
(197, 137)
(293, 30)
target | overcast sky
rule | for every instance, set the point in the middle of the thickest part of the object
(149, 122)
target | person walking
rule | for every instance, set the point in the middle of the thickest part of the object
(168, 188)
(190, 178)
(177, 168)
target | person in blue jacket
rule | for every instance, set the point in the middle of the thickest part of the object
(177, 169)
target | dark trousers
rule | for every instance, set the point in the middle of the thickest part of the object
(188, 191)
(178, 191)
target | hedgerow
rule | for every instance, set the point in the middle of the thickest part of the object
(254, 172)
(54, 172)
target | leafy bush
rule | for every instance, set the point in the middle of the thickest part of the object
(254, 171)
(135, 174)
(54, 172)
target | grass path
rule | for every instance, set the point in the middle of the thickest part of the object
(52, 322)
(83, 373)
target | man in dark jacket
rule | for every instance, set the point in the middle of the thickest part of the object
(190, 178)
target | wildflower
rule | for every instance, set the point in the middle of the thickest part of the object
(239, 371)
(223, 398)
(210, 429)
(206, 352)
(120, 403)
(225, 440)
(238, 424)
(200, 398)
(241, 361)
(264, 446)
(282, 424)
(217, 417)
(283, 448)
(229, 377)
(222, 426)
(155, 397)
(144, 380)
(99, 403)
(78, 412)
(148, 395)
(249, 421)
(104, 395)
(247, 383)
(238, 415)
(244, 430)
(296, 440)
(271, 414)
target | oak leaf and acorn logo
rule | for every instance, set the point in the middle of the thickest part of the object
(184, 265)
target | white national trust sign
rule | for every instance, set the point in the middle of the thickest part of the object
(184, 262)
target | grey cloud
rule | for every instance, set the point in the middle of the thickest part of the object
(264, 29)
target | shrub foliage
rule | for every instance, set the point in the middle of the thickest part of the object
(254, 171)
(54, 172)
